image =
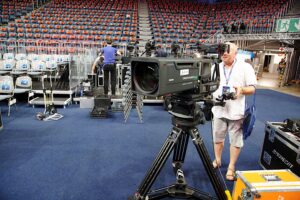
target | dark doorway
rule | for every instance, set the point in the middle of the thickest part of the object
(267, 63)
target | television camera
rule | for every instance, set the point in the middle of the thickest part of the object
(132, 50)
(175, 49)
(149, 47)
(187, 81)
(160, 76)
(209, 49)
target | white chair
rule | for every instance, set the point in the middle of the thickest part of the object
(47, 57)
(6, 66)
(60, 59)
(34, 57)
(37, 68)
(22, 67)
(7, 90)
(8, 56)
(20, 56)
(23, 85)
(51, 65)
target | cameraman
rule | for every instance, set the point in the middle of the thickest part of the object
(109, 66)
(239, 77)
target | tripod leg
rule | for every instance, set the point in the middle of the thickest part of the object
(180, 150)
(204, 156)
(158, 163)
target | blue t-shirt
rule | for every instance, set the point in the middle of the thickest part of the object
(109, 54)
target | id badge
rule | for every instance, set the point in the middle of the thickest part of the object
(226, 89)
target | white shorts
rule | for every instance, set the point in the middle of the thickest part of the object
(234, 127)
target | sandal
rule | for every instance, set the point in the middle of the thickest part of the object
(216, 164)
(230, 175)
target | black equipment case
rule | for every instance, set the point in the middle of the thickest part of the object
(101, 106)
(281, 148)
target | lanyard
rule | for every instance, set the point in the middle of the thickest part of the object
(228, 78)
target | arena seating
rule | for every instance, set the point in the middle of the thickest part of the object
(12, 9)
(66, 24)
(191, 21)
(73, 22)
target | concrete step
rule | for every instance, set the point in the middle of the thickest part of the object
(144, 17)
(143, 14)
(144, 21)
(145, 32)
(144, 28)
(145, 37)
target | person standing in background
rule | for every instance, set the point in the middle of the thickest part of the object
(109, 67)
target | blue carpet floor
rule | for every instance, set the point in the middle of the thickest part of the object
(82, 158)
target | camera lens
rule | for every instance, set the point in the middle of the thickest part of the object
(146, 77)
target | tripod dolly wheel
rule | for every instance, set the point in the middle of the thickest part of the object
(40, 116)
(52, 110)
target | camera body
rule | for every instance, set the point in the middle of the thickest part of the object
(175, 48)
(159, 76)
(130, 47)
(150, 45)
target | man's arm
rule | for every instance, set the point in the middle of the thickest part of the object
(95, 64)
(247, 90)
(119, 53)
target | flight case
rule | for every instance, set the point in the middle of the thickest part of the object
(266, 185)
(281, 148)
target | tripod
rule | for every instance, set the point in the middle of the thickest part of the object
(184, 127)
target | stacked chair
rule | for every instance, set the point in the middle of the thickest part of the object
(7, 90)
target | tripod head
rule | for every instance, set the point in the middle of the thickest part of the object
(187, 109)
(184, 109)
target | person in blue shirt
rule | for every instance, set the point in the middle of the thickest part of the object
(109, 67)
